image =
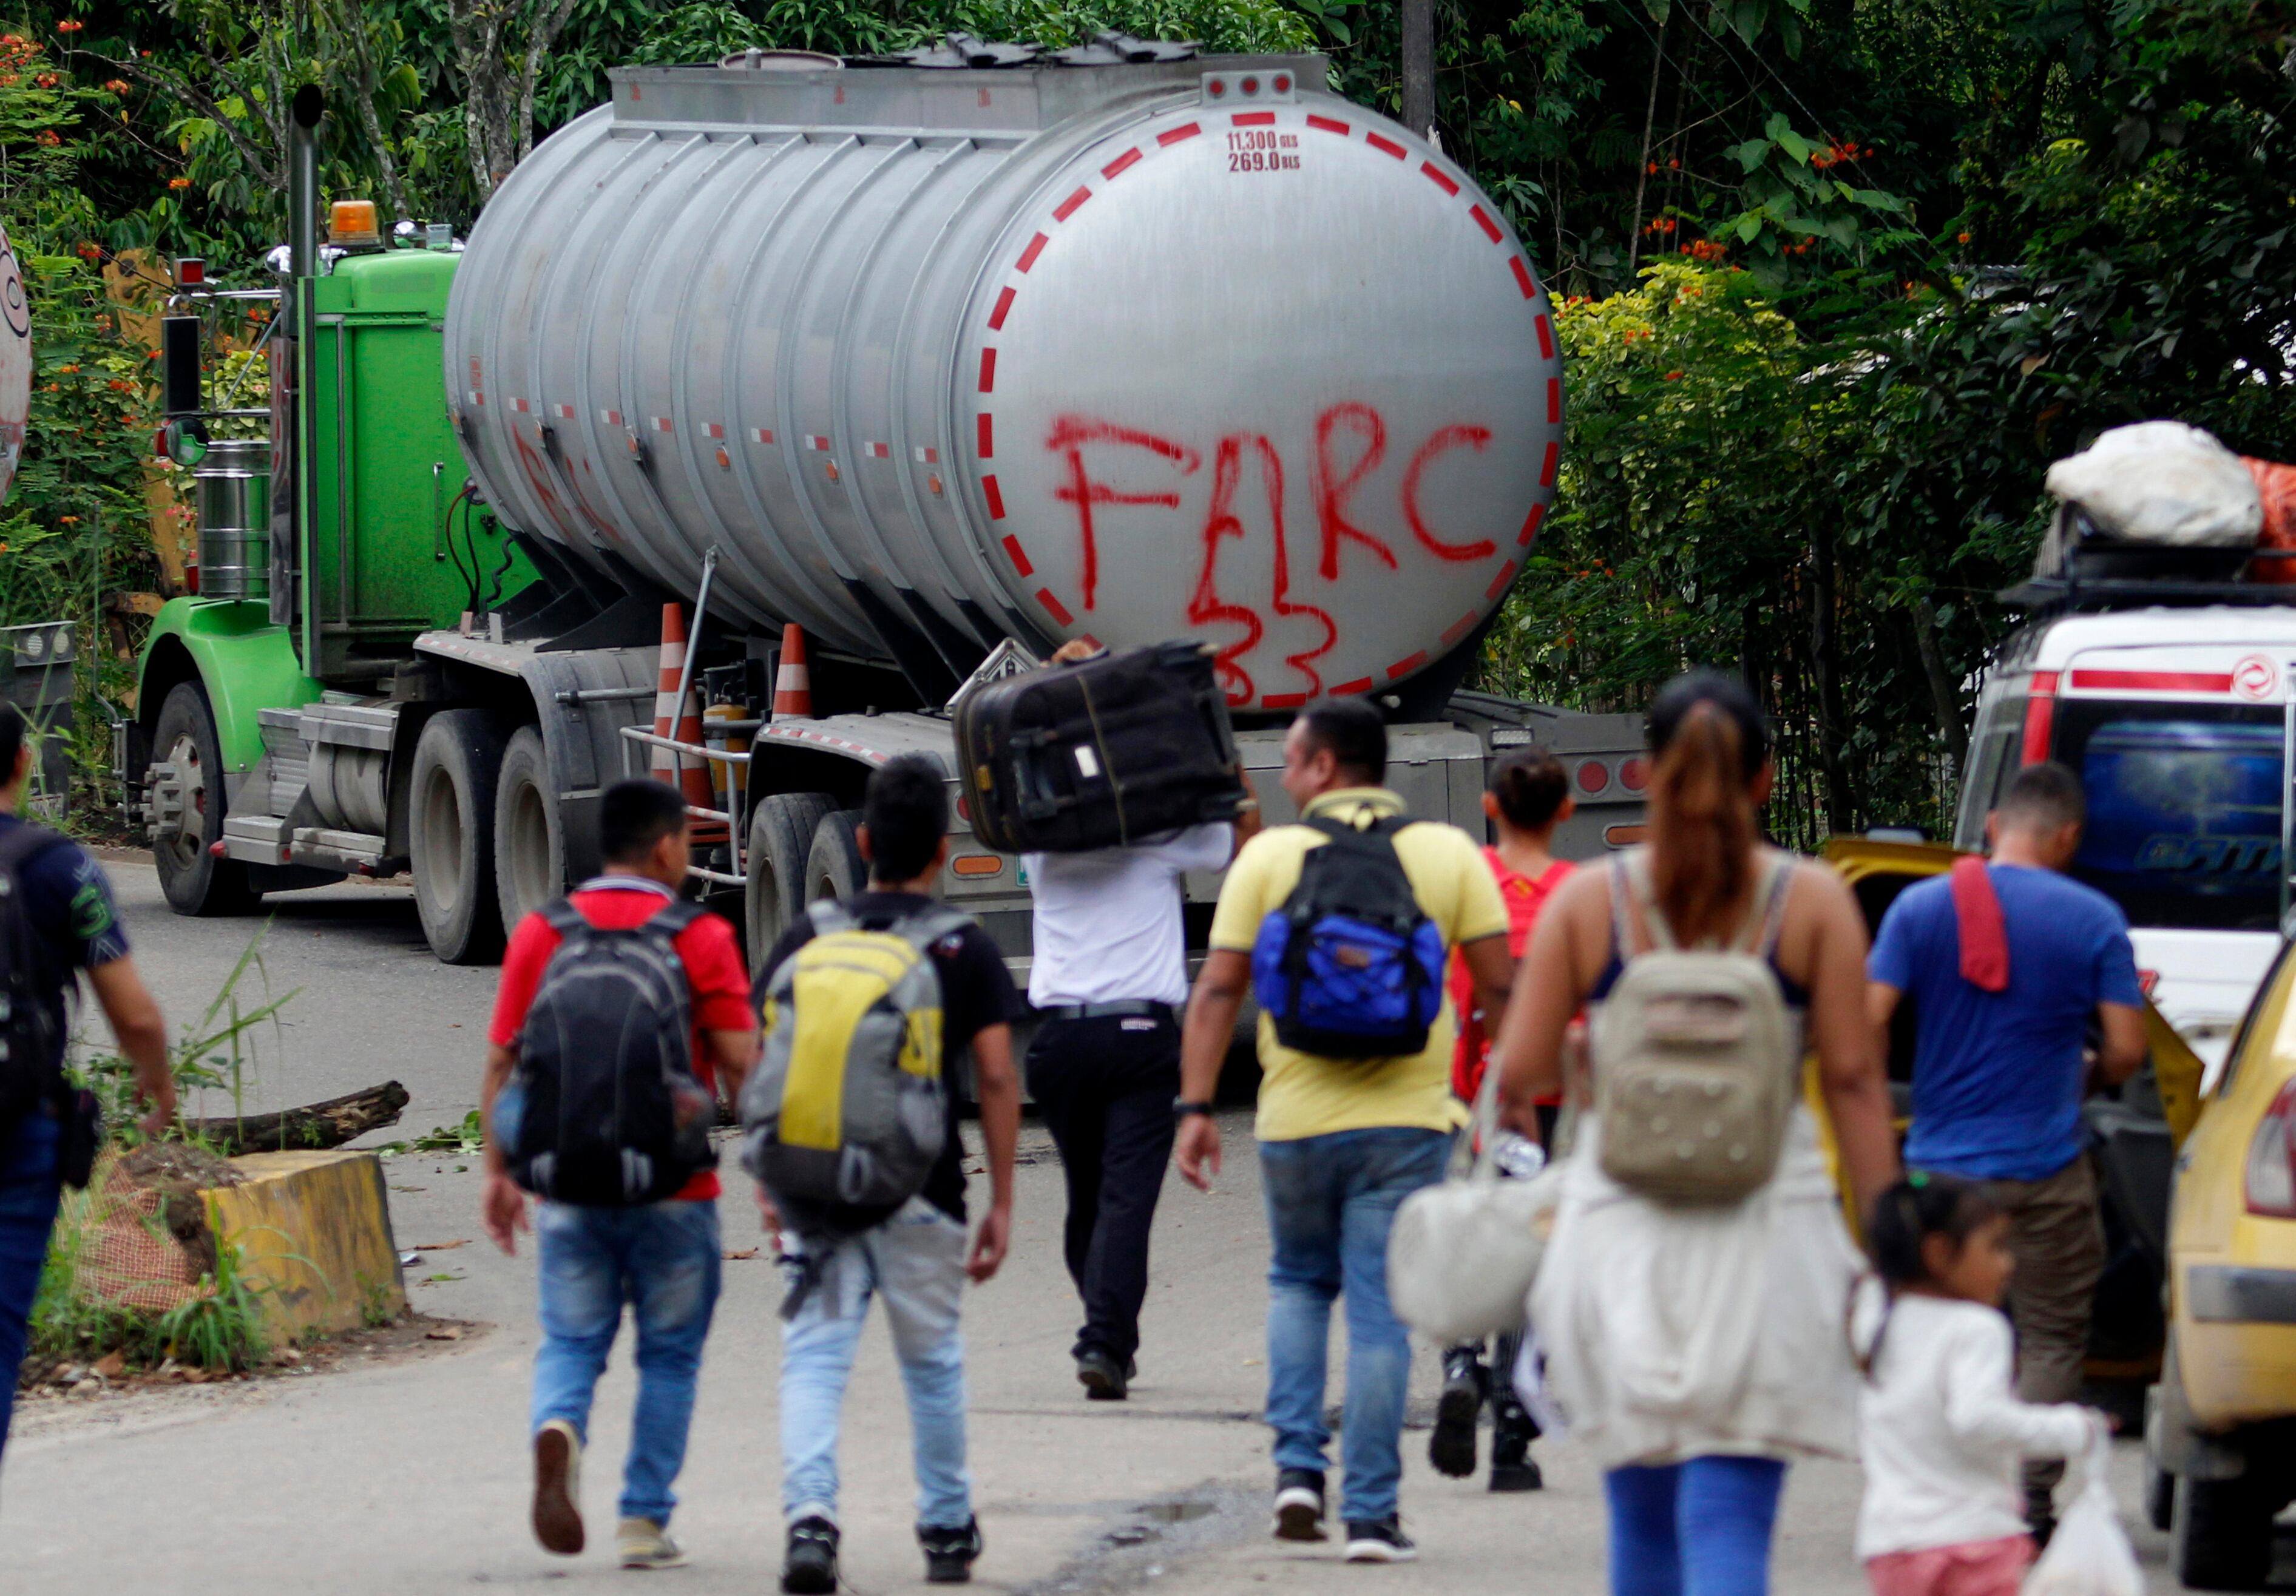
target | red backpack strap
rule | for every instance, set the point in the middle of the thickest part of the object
(1984, 932)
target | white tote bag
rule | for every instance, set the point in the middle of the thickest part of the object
(1462, 1254)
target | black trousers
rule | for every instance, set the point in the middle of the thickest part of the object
(1105, 1089)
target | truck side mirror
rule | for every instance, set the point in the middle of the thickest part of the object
(179, 365)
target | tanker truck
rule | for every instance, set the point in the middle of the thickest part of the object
(927, 362)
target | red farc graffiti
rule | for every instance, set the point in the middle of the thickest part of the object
(1350, 444)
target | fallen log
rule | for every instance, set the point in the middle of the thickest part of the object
(315, 1126)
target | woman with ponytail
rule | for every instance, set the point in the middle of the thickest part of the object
(1696, 1347)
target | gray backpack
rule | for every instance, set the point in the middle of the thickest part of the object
(1697, 1061)
(844, 1116)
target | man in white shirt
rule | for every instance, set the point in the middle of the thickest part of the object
(1108, 979)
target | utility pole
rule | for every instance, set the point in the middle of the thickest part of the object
(1419, 67)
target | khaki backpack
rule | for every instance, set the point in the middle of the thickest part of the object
(1696, 1057)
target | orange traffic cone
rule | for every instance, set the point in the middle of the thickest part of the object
(684, 723)
(792, 683)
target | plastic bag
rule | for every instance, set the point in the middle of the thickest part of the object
(2162, 482)
(2089, 1555)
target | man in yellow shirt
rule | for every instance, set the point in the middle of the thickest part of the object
(1342, 1142)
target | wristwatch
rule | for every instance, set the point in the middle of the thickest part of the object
(1182, 1108)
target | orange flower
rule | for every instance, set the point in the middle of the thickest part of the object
(1961, 238)
(179, 183)
(115, 87)
(72, 369)
(68, 520)
(1674, 376)
(69, 26)
(48, 137)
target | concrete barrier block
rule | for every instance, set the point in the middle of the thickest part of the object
(314, 1233)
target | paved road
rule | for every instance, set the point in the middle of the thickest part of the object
(411, 1477)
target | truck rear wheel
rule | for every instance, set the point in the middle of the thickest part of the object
(186, 803)
(451, 819)
(529, 840)
(834, 867)
(2220, 1535)
(781, 844)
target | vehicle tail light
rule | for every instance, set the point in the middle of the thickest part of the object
(2272, 1159)
(2040, 717)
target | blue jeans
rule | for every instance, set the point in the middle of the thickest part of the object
(663, 1260)
(916, 1262)
(30, 1190)
(1696, 1529)
(1330, 1202)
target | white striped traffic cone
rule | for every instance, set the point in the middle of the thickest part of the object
(690, 776)
(792, 681)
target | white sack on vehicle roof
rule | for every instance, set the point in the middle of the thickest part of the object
(2162, 482)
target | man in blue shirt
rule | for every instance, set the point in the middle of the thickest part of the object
(2001, 1061)
(73, 926)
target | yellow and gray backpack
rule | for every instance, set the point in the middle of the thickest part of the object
(844, 1116)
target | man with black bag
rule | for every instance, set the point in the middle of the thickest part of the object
(1339, 926)
(56, 920)
(1108, 979)
(616, 1001)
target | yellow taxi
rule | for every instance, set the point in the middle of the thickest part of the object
(2220, 1426)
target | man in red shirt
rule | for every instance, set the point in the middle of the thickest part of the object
(662, 1258)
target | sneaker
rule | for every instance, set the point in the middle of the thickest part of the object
(950, 1553)
(1521, 1475)
(642, 1544)
(1512, 1469)
(1103, 1379)
(1452, 1446)
(558, 1488)
(1379, 1541)
(1298, 1505)
(809, 1566)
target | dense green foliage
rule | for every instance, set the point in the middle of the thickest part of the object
(1906, 254)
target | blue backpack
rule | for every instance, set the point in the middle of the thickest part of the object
(1350, 967)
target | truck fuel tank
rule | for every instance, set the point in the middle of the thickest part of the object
(937, 356)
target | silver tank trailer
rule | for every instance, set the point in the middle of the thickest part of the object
(1130, 352)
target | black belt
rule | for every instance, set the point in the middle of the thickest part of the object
(1130, 1008)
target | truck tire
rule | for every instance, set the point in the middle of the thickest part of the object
(781, 844)
(187, 755)
(834, 867)
(450, 835)
(2220, 1535)
(529, 835)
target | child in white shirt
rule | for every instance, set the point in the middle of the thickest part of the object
(1941, 1431)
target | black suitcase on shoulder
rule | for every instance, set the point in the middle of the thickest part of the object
(1108, 751)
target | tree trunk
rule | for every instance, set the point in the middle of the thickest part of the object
(315, 1126)
(542, 32)
(1419, 66)
(1642, 166)
(1841, 805)
(1943, 694)
(351, 25)
(489, 143)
